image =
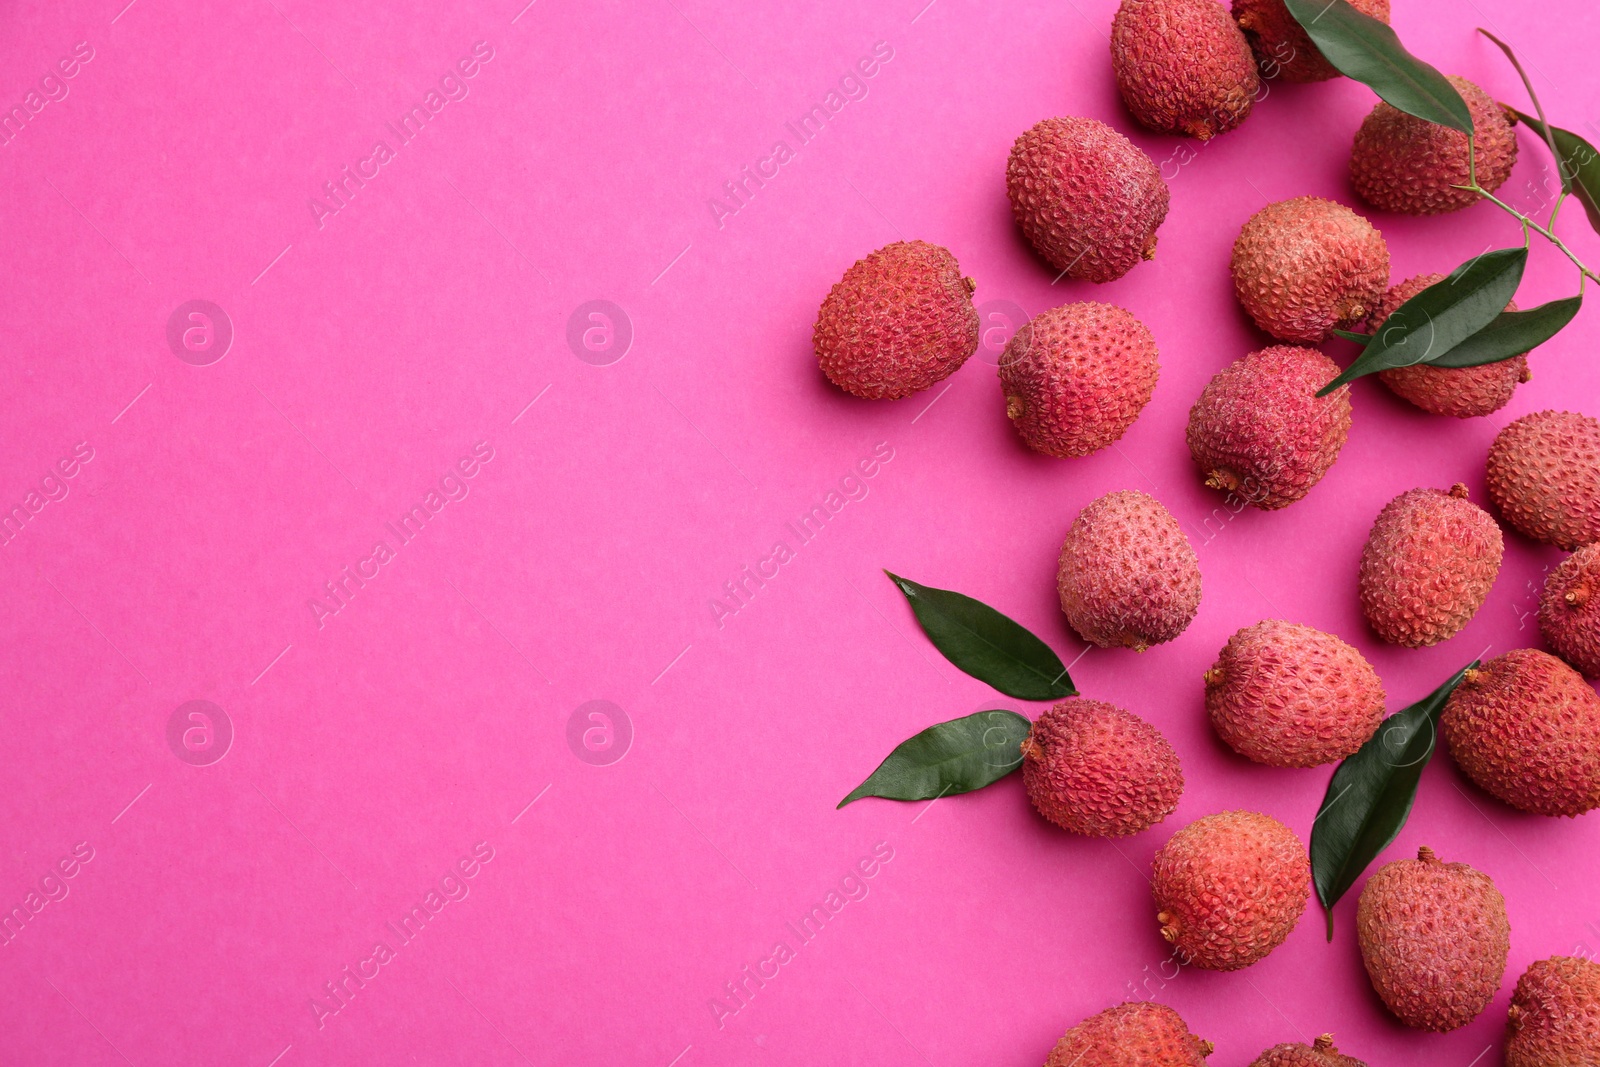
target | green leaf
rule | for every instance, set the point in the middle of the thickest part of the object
(1370, 52)
(1358, 338)
(1511, 334)
(953, 757)
(1578, 163)
(1442, 316)
(1371, 795)
(986, 644)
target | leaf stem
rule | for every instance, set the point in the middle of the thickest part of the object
(1556, 211)
(1527, 223)
(1527, 83)
(1547, 232)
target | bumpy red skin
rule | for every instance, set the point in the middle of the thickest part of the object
(1259, 430)
(1229, 888)
(1306, 266)
(1291, 696)
(1136, 1034)
(1554, 1019)
(1428, 566)
(898, 321)
(1095, 769)
(1461, 392)
(1544, 476)
(1087, 198)
(1281, 44)
(1526, 728)
(1569, 611)
(1076, 377)
(1406, 164)
(1320, 1053)
(1127, 575)
(1434, 937)
(1183, 66)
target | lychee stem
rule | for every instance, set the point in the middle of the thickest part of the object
(1472, 186)
(1577, 596)
(1324, 1044)
(1425, 854)
(1222, 479)
(1458, 491)
(1214, 676)
(1584, 273)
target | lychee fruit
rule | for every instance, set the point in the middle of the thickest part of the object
(1569, 611)
(1406, 164)
(1428, 565)
(1229, 888)
(1128, 576)
(1320, 1053)
(1304, 267)
(1183, 66)
(1282, 45)
(1526, 728)
(1077, 376)
(1463, 392)
(1094, 769)
(1135, 1034)
(1544, 476)
(1554, 1019)
(1087, 198)
(1434, 937)
(898, 321)
(1291, 696)
(1260, 432)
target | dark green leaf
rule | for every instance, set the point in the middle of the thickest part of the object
(1440, 317)
(1358, 338)
(986, 644)
(1371, 795)
(1578, 163)
(1370, 52)
(953, 757)
(1511, 334)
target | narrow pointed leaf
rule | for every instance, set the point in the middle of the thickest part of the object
(1578, 163)
(1511, 334)
(1370, 52)
(1358, 338)
(986, 644)
(1442, 316)
(953, 757)
(1371, 795)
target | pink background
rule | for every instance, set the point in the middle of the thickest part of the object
(371, 353)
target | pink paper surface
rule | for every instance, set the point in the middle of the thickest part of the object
(418, 327)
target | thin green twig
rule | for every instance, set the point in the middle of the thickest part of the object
(1527, 83)
(1527, 223)
(1556, 211)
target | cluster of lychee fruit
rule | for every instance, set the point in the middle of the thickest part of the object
(1554, 1019)
(1525, 727)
